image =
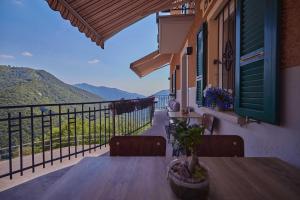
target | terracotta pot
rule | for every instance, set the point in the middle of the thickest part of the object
(186, 190)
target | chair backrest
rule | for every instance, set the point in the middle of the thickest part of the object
(208, 121)
(137, 146)
(221, 146)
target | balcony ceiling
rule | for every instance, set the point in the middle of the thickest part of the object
(150, 63)
(173, 30)
(100, 20)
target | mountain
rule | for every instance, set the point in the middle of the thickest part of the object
(108, 93)
(20, 85)
(161, 92)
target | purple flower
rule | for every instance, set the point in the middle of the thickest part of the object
(218, 97)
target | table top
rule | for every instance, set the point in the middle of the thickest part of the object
(180, 115)
(145, 178)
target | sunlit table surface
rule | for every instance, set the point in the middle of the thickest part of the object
(184, 116)
(135, 178)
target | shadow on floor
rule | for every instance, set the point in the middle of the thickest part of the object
(33, 189)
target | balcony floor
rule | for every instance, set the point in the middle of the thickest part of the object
(32, 186)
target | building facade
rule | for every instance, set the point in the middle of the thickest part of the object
(251, 49)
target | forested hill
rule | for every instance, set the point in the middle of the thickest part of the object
(20, 85)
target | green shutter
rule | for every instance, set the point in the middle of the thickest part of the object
(201, 64)
(257, 59)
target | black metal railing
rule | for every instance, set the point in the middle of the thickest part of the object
(37, 135)
(161, 101)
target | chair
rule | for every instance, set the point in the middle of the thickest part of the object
(137, 146)
(208, 121)
(173, 106)
(221, 146)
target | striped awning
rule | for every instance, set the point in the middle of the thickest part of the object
(150, 63)
(101, 19)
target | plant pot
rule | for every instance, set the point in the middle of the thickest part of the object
(187, 190)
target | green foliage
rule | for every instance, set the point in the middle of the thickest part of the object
(188, 136)
(21, 85)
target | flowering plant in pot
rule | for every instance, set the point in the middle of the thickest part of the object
(188, 178)
(218, 98)
(117, 107)
(144, 103)
(129, 106)
(123, 106)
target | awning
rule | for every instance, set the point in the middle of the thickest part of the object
(173, 30)
(101, 19)
(150, 63)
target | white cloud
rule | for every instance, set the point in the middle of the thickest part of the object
(5, 56)
(18, 2)
(94, 61)
(26, 53)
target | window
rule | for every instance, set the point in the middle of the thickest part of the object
(226, 46)
(256, 90)
(201, 64)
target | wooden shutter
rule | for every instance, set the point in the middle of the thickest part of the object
(257, 59)
(201, 64)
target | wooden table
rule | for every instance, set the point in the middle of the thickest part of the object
(187, 116)
(135, 178)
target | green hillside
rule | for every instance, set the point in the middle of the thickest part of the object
(20, 85)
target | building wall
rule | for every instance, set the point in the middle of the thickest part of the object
(282, 141)
(290, 34)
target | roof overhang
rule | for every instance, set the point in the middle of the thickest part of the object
(173, 30)
(150, 63)
(100, 20)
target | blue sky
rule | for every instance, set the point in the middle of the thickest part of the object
(33, 35)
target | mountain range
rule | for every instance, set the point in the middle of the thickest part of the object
(108, 93)
(20, 85)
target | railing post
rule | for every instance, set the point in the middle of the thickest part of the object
(32, 139)
(43, 139)
(51, 139)
(114, 119)
(152, 107)
(9, 146)
(21, 143)
(60, 133)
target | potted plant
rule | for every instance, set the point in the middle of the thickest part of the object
(187, 177)
(218, 98)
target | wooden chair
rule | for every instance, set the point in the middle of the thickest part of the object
(208, 121)
(221, 146)
(137, 146)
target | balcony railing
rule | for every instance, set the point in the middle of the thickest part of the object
(53, 132)
(161, 101)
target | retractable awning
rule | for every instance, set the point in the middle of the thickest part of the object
(101, 19)
(150, 63)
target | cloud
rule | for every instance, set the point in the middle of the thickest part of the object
(5, 56)
(26, 53)
(94, 61)
(18, 2)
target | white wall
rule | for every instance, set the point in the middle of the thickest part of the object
(264, 139)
